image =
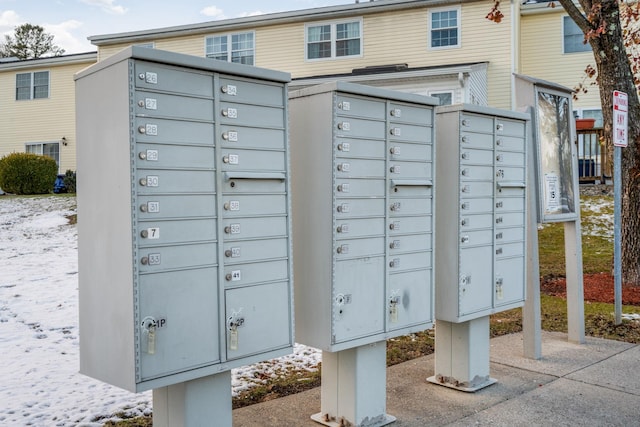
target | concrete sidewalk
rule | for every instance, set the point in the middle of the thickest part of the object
(594, 384)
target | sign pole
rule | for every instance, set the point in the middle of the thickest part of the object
(620, 125)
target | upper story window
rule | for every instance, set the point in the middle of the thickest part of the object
(334, 39)
(573, 37)
(238, 48)
(445, 28)
(446, 98)
(32, 85)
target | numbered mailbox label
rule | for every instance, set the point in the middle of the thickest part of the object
(234, 228)
(153, 233)
(236, 276)
(151, 130)
(151, 103)
(151, 78)
(153, 207)
(234, 205)
(154, 259)
(152, 155)
(152, 180)
(235, 252)
(231, 136)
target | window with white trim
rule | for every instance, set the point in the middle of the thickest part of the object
(573, 37)
(334, 39)
(32, 85)
(446, 98)
(444, 29)
(49, 149)
(238, 48)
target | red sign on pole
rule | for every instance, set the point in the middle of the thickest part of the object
(620, 118)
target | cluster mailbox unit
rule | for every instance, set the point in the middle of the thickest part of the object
(481, 221)
(184, 220)
(363, 181)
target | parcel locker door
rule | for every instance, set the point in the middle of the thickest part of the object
(358, 303)
(177, 321)
(258, 319)
(409, 299)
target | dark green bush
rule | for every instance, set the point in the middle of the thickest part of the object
(26, 173)
(70, 181)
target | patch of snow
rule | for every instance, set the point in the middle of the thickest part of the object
(40, 384)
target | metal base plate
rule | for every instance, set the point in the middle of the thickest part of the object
(471, 389)
(382, 420)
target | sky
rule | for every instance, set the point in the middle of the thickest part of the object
(72, 21)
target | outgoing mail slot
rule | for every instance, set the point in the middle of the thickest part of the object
(476, 140)
(175, 181)
(249, 182)
(508, 250)
(476, 123)
(174, 156)
(410, 261)
(249, 137)
(475, 238)
(474, 222)
(411, 151)
(252, 228)
(165, 295)
(412, 187)
(261, 307)
(476, 173)
(251, 115)
(408, 169)
(173, 131)
(511, 271)
(409, 225)
(354, 228)
(246, 274)
(252, 92)
(509, 219)
(356, 248)
(476, 157)
(158, 77)
(254, 250)
(173, 106)
(411, 133)
(155, 233)
(510, 127)
(178, 206)
(360, 107)
(175, 257)
(360, 188)
(252, 160)
(510, 143)
(410, 243)
(360, 128)
(359, 148)
(358, 168)
(400, 207)
(239, 205)
(413, 292)
(410, 114)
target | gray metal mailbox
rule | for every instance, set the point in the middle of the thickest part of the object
(362, 165)
(184, 230)
(481, 211)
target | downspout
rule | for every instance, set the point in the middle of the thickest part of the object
(515, 48)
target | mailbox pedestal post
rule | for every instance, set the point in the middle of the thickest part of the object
(196, 402)
(354, 387)
(462, 355)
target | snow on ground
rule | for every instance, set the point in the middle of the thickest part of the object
(39, 358)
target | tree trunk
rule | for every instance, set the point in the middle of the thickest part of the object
(614, 73)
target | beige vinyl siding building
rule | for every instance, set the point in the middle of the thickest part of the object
(391, 32)
(542, 54)
(42, 123)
